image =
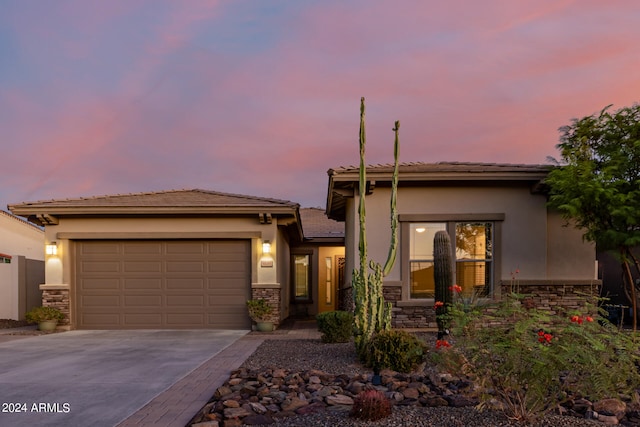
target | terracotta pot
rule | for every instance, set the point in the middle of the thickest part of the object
(264, 326)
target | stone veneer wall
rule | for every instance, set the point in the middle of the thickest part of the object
(272, 295)
(58, 298)
(557, 296)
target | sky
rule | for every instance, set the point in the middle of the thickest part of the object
(262, 97)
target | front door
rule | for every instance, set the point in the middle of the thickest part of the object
(328, 276)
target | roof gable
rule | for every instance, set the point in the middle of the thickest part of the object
(317, 226)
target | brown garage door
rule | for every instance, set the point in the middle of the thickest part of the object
(162, 284)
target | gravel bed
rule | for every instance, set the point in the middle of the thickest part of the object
(301, 355)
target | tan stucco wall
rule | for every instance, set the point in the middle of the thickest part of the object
(563, 239)
(528, 239)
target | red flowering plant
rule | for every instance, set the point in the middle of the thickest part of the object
(530, 360)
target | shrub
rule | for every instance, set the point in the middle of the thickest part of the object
(41, 314)
(371, 405)
(336, 326)
(259, 309)
(395, 349)
(530, 361)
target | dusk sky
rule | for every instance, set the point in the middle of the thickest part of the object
(262, 97)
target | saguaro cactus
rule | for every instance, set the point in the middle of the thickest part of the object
(443, 278)
(372, 314)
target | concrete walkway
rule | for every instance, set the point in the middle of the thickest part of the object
(100, 378)
(177, 405)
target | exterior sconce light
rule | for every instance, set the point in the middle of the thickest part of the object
(266, 247)
(51, 248)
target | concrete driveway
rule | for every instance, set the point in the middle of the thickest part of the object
(97, 378)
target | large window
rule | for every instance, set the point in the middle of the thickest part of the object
(472, 249)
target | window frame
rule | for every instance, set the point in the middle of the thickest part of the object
(450, 220)
(294, 298)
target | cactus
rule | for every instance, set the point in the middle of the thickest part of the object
(372, 313)
(371, 405)
(443, 278)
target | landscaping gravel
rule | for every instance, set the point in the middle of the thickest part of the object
(301, 355)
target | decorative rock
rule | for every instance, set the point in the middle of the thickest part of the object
(257, 408)
(314, 379)
(293, 404)
(311, 408)
(235, 413)
(231, 404)
(207, 424)
(608, 419)
(411, 393)
(611, 406)
(339, 399)
(222, 391)
(436, 401)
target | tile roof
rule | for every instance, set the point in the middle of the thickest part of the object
(20, 220)
(457, 167)
(316, 224)
(170, 198)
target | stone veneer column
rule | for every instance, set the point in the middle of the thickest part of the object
(272, 295)
(58, 296)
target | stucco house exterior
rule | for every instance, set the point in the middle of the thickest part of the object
(21, 266)
(174, 259)
(504, 235)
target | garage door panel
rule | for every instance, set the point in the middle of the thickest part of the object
(188, 248)
(142, 248)
(162, 284)
(106, 301)
(100, 284)
(132, 301)
(185, 267)
(185, 283)
(107, 248)
(142, 283)
(185, 300)
(102, 320)
(185, 319)
(100, 267)
(142, 267)
(142, 320)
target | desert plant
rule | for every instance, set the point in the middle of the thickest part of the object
(371, 405)
(530, 360)
(336, 326)
(394, 349)
(372, 313)
(443, 278)
(43, 314)
(259, 309)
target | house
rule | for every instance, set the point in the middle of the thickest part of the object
(174, 259)
(21, 266)
(504, 236)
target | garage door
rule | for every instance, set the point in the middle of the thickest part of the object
(158, 284)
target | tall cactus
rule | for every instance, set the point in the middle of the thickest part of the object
(443, 278)
(372, 313)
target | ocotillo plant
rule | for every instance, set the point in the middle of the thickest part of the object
(443, 278)
(372, 314)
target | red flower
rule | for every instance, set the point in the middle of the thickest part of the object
(540, 332)
(548, 337)
(589, 319)
(438, 304)
(456, 288)
(576, 319)
(442, 344)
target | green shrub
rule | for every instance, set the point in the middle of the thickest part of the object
(395, 349)
(336, 326)
(530, 361)
(40, 314)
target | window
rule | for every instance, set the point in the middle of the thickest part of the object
(474, 255)
(421, 259)
(472, 245)
(301, 277)
(5, 259)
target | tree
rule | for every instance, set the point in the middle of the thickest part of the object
(597, 184)
(372, 313)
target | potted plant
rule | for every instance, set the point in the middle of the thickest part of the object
(47, 318)
(259, 311)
